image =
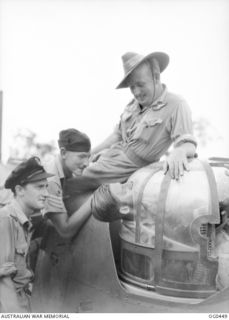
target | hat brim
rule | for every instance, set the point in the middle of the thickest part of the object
(161, 57)
(40, 176)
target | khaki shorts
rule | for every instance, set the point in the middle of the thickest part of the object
(112, 166)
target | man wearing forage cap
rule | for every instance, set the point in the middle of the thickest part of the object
(28, 182)
(153, 120)
(73, 158)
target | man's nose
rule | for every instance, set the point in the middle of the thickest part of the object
(136, 92)
(45, 192)
(86, 162)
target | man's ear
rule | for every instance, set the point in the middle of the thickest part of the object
(19, 190)
(63, 152)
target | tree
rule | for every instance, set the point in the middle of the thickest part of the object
(25, 145)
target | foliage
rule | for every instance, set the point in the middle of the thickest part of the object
(205, 132)
(25, 144)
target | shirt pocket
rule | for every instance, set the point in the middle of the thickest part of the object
(21, 250)
(147, 128)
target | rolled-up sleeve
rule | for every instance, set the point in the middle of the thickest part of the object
(54, 203)
(181, 127)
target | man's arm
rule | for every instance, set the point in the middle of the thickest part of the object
(177, 161)
(181, 131)
(9, 300)
(67, 226)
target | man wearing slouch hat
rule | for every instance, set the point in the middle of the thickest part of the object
(28, 182)
(153, 120)
(73, 158)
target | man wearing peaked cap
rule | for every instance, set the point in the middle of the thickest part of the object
(152, 121)
(28, 182)
(26, 172)
(73, 158)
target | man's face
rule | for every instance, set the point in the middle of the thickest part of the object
(34, 194)
(75, 162)
(122, 193)
(142, 85)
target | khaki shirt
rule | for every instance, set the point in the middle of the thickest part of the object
(55, 202)
(145, 135)
(149, 132)
(15, 274)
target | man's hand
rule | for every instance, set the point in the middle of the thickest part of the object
(7, 269)
(176, 163)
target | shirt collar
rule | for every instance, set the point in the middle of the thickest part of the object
(19, 214)
(59, 167)
(159, 102)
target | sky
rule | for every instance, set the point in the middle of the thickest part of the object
(60, 62)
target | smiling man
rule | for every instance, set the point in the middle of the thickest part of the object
(153, 120)
(75, 147)
(28, 182)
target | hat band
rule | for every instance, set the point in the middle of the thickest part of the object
(75, 147)
(27, 178)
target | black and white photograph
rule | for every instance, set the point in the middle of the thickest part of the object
(114, 158)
